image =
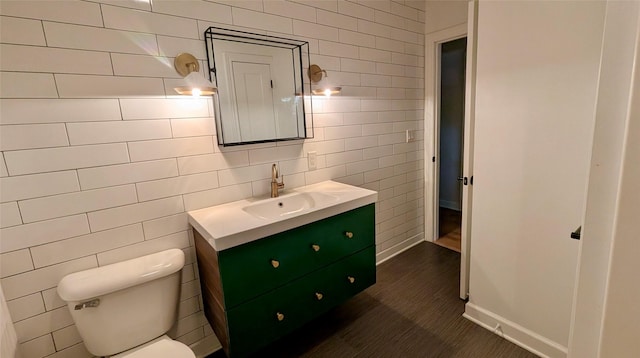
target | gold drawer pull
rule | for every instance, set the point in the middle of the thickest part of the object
(351, 279)
(348, 234)
(280, 316)
(315, 248)
(319, 296)
(275, 263)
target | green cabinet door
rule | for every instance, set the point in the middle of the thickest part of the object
(255, 268)
(259, 322)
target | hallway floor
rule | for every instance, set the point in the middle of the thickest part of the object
(412, 311)
(450, 228)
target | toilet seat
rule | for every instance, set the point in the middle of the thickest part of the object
(163, 347)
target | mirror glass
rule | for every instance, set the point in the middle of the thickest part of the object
(261, 87)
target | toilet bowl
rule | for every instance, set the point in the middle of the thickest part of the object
(125, 309)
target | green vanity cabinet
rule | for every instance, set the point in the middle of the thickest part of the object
(286, 308)
(259, 291)
(252, 269)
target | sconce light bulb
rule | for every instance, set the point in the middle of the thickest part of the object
(196, 92)
(327, 92)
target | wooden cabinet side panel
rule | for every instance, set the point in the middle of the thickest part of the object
(211, 286)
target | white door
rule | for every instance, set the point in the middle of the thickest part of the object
(536, 85)
(254, 100)
(606, 192)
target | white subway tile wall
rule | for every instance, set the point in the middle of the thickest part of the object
(66, 337)
(27, 306)
(39, 347)
(9, 214)
(15, 262)
(100, 160)
(27, 85)
(75, 86)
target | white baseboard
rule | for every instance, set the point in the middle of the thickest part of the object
(399, 248)
(514, 333)
(453, 205)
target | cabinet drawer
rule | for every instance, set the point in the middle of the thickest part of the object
(257, 267)
(256, 323)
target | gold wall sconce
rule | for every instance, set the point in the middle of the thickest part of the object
(315, 75)
(187, 66)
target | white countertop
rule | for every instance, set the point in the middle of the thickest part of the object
(227, 225)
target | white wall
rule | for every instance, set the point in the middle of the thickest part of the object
(537, 71)
(442, 14)
(100, 161)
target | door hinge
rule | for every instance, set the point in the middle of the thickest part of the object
(471, 180)
(433, 159)
(271, 83)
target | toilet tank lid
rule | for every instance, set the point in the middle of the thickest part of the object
(114, 277)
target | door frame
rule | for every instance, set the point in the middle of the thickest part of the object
(433, 46)
(433, 42)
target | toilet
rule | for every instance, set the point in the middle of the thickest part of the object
(125, 309)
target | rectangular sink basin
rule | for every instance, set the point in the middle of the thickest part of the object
(228, 225)
(288, 205)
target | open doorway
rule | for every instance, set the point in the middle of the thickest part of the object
(433, 100)
(451, 118)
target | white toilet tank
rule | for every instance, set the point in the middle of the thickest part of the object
(117, 307)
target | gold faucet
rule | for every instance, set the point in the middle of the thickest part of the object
(275, 186)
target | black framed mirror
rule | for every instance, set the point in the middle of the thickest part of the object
(262, 94)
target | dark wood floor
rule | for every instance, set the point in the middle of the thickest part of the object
(412, 311)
